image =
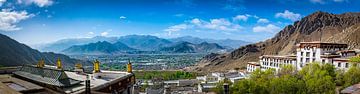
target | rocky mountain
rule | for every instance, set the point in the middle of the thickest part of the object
(223, 42)
(98, 48)
(319, 26)
(13, 53)
(60, 45)
(144, 42)
(140, 42)
(187, 47)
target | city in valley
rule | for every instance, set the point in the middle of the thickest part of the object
(179, 47)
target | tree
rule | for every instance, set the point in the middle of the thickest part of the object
(318, 78)
(339, 78)
(355, 59)
(287, 84)
(313, 78)
(352, 76)
(286, 70)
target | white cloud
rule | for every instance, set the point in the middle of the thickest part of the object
(288, 15)
(176, 28)
(9, 19)
(220, 24)
(179, 15)
(263, 20)
(196, 24)
(122, 17)
(196, 21)
(91, 33)
(257, 17)
(318, 1)
(40, 3)
(104, 33)
(2, 2)
(268, 28)
(326, 1)
(242, 17)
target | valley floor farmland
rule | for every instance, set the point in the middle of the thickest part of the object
(144, 61)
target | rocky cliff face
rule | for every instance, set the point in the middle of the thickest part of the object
(319, 26)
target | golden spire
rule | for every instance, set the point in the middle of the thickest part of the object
(58, 64)
(41, 63)
(78, 66)
(129, 67)
(96, 66)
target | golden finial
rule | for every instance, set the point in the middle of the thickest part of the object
(41, 63)
(129, 67)
(96, 66)
(58, 64)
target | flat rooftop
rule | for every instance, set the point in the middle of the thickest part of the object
(17, 85)
(4, 89)
(97, 80)
(319, 44)
(279, 56)
(254, 63)
(30, 78)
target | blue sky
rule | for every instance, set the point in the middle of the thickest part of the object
(42, 21)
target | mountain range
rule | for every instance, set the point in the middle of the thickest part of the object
(223, 42)
(13, 53)
(106, 48)
(98, 48)
(187, 47)
(60, 45)
(138, 42)
(144, 42)
(319, 26)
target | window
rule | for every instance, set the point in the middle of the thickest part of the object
(314, 54)
(346, 65)
(323, 61)
(307, 54)
(339, 64)
(307, 60)
(302, 53)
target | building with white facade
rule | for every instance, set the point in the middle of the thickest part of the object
(306, 52)
(275, 62)
(207, 82)
(252, 66)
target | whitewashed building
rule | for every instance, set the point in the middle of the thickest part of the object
(207, 82)
(332, 53)
(275, 62)
(252, 66)
(307, 52)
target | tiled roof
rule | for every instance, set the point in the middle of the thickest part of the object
(47, 76)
